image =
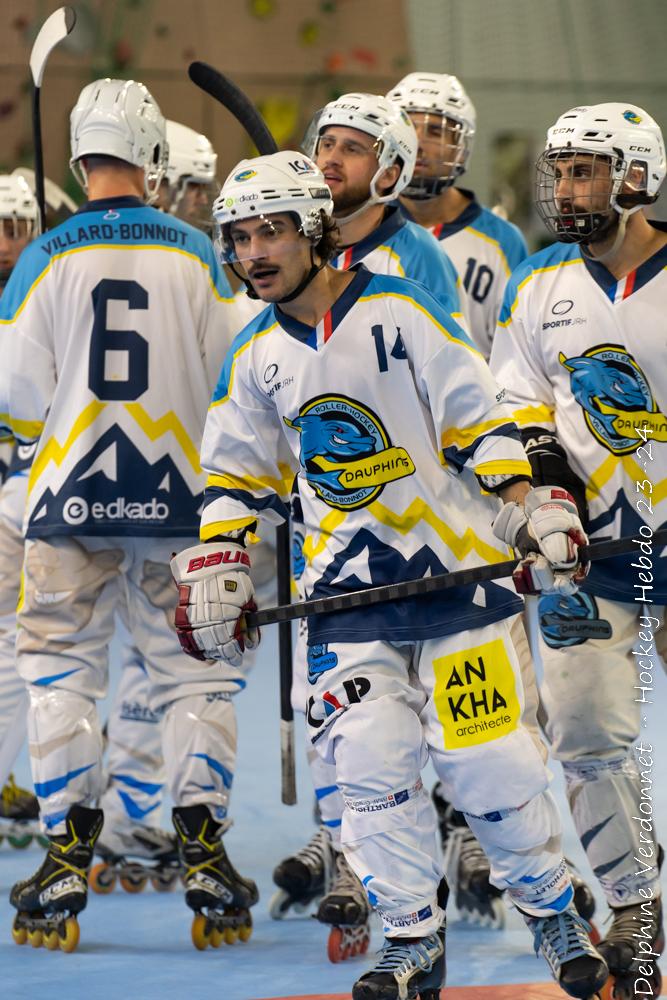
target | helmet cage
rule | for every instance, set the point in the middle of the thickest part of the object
(595, 212)
(449, 162)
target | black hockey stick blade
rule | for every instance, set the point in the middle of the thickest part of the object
(220, 87)
(53, 31)
(427, 585)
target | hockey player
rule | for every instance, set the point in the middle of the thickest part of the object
(364, 387)
(189, 186)
(578, 348)
(18, 807)
(483, 247)
(366, 149)
(111, 323)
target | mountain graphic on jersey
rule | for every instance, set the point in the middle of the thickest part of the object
(346, 452)
(616, 398)
(114, 490)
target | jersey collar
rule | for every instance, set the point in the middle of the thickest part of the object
(617, 290)
(111, 204)
(317, 336)
(471, 212)
(393, 221)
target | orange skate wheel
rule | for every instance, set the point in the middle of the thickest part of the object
(102, 878)
(164, 881)
(133, 882)
(199, 933)
(607, 991)
(72, 934)
(335, 947)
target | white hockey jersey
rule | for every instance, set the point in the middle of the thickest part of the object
(484, 249)
(385, 411)
(113, 329)
(586, 354)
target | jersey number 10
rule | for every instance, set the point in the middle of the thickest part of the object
(118, 361)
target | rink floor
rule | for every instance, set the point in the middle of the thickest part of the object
(138, 947)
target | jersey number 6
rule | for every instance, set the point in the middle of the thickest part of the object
(118, 362)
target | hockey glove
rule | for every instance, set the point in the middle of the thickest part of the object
(214, 591)
(547, 532)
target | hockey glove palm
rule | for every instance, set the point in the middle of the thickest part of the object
(214, 591)
(548, 533)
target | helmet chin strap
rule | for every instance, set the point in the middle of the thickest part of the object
(303, 284)
(342, 220)
(616, 245)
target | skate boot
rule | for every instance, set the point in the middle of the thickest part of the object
(468, 872)
(303, 877)
(214, 889)
(48, 903)
(631, 925)
(563, 940)
(407, 969)
(584, 901)
(133, 856)
(19, 816)
(347, 910)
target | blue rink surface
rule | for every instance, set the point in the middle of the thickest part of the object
(138, 947)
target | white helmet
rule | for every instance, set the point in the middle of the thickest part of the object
(192, 165)
(58, 203)
(628, 140)
(267, 185)
(119, 118)
(439, 94)
(394, 134)
(17, 200)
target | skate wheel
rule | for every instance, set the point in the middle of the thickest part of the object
(200, 934)
(217, 936)
(245, 930)
(231, 935)
(42, 840)
(335, 948)
(133, 882)
(72, 932)
(164, 881)
(52, 940)
(20, 935)
(607, 991)
(595, 935)
(35, 938)
(102, 878)
(21, 842)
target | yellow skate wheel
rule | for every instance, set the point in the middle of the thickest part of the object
(72, 932)
(20, 935)
(35, 938)
(102, 878)
(200, 935)
(245, 931)
(231, 935)
(133, 883)
(52, 940)
(217, 937)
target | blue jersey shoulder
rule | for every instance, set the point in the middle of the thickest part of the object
(424, 259)
(552, 256)
(508, 236)
(257, 325)
(406, 288)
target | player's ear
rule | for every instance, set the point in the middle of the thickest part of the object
(388, 179)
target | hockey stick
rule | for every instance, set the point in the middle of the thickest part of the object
(231, 97)
(56, 27)
(427, 585)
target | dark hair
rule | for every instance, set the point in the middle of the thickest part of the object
(326, 247)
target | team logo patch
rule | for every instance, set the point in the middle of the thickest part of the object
(569, 620)
(346, 452)
(615, 396)
(475, 695)
(632, 116)
(245, 175)
(320, 659)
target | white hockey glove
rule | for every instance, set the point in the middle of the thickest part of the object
(214, 591)
(548, 534)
